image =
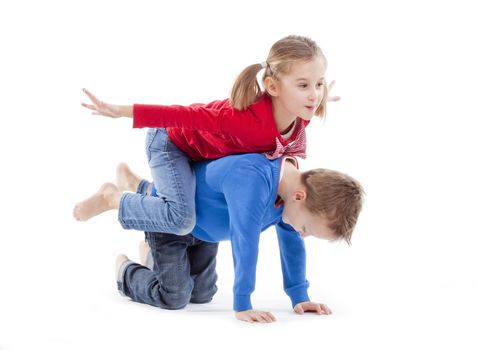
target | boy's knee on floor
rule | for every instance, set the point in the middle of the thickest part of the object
(201, 300)
(203, 296)
(176, 301)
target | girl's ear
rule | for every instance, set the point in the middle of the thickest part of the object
(272, 86)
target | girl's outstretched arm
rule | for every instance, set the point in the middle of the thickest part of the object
(106, 109)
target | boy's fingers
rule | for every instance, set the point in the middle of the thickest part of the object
(256, 318)
(247, 319)
(325, 310)
(328, 310)
(299, 309)
(266, 316)
(272, 317)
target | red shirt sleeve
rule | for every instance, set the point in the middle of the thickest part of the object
(217, 117)
(155, 116)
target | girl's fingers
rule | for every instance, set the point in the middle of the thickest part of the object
(93, 98)
(89, 106)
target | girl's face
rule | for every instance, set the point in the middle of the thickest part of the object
(300, 92)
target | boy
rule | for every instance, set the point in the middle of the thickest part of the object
(237, 198)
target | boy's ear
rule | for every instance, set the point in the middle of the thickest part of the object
(299, 195)
(271, 85)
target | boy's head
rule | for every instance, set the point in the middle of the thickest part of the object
(328, 207)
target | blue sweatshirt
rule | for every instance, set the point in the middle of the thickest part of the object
(235, 200)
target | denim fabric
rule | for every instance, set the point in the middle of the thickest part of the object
(183, 272)
(173, 209)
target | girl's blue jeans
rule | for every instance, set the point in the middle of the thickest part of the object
(172, 208)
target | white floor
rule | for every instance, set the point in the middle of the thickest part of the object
(405, 128)
(381, 297)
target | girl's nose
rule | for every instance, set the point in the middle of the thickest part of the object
(314, 95)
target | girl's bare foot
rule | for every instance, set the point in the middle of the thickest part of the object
(126, 179)
(106, 198)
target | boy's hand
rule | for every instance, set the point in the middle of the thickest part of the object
(106, 109)
(308, 306)
(255, 316)
(332, 98)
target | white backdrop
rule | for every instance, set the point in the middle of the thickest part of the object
(405, 128)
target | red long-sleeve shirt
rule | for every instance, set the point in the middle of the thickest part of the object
(214, 130)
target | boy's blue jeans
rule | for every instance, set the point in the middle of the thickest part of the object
(172, 209)
(183, 272)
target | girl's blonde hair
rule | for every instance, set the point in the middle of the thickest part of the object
(336, 196)
(291, 49)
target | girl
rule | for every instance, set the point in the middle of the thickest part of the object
(271, 122)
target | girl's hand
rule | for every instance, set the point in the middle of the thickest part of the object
(106, 109)
(332, 98)
(308, 306)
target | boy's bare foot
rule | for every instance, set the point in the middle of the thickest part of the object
(119, 262)
(121, 266)
(144, 250)
(106, 198)
(126, 179)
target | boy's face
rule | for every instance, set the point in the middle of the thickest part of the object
(304, 222)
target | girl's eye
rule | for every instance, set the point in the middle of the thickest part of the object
(319, 85)
(303, 86)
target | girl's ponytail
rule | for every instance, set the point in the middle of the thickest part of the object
(246, 89)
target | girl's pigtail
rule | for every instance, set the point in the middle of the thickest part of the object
(246, 89)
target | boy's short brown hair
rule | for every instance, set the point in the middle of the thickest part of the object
(336, 196)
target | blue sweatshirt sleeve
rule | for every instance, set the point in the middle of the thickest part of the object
(247, 192)
(293, 260)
